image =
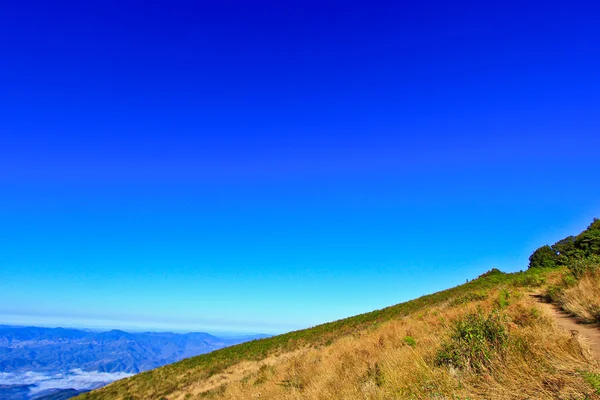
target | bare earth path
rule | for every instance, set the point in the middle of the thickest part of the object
(565, 321)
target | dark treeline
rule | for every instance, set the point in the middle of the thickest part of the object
(570, 249)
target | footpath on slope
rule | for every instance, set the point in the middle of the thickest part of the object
(590, 332)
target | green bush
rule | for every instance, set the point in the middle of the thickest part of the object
(554, 293)
(503, 299)
(529, 279)
(491, 272)
(409, 340)
(593, 379)
(580, 267)
(568, 281)
(474, 341)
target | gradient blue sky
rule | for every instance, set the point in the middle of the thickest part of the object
(266, 166)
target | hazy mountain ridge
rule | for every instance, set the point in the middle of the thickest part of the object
(58, 349)
(59, 394)
(23, 392)
(61, 362)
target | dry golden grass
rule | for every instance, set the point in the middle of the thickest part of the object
(583, 299)
(486, 339)
(539, 361)
(236, 373)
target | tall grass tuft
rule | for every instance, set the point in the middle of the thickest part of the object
(474, 341)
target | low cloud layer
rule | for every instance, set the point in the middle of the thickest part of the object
(75, 379)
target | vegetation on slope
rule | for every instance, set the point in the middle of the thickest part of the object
(571, 249)
(476, 350)
(483, 339)
(578, 292)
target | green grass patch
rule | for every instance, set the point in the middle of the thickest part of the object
(475, 339)
(410, 341)
(593, 379)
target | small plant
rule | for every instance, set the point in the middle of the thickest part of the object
(503, 299)
(292, 383)
(264, 373)
(593, 379)
(375, 375)
(410, 341)
(568, 281)
(475, 339)
(554, 293)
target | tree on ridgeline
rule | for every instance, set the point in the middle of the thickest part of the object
(588, 241)
(544, 257)
(569, 249)
(565, 250)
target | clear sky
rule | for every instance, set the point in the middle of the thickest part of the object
(266, 166)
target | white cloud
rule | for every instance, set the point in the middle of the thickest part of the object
(75, 379)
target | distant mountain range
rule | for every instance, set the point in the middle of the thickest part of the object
(33, 359)
(24, 392)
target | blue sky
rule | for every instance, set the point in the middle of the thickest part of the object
(265, 166)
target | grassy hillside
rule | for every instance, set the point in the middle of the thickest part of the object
(486, 339)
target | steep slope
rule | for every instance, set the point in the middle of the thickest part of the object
(486, 339)
(483, 339)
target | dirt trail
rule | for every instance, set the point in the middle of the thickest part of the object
(590, 332)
